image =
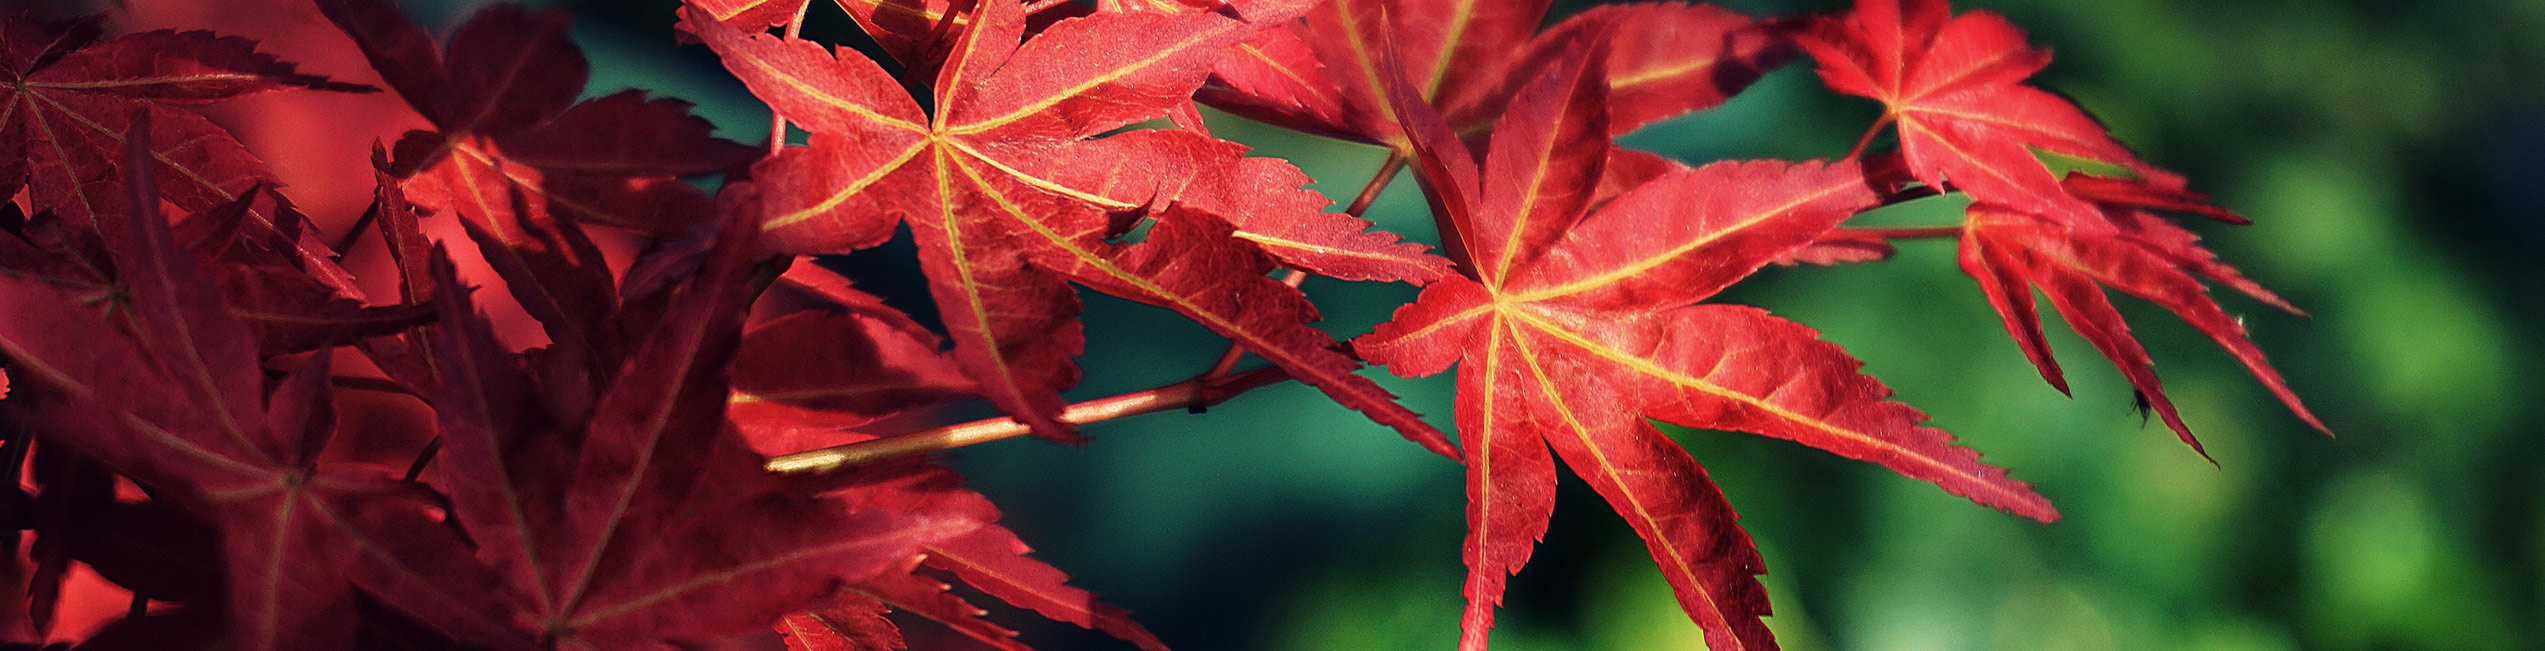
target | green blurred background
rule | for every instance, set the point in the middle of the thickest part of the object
(2388, 153)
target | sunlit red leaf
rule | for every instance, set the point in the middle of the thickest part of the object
(751, 14)
(1327, 74)
(1577, 327)
(1955, 87)
(1008, 203)
(2142, 255)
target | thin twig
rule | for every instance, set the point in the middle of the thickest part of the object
(777, 121)
(1378, 183)
(423, 458)
(1867, 139)
(1181, 395)
(353, 234)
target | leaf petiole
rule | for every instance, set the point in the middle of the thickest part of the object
(1870, 132)
(777, 121)
(1197, 392)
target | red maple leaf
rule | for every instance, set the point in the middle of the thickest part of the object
(516, 157)
(261, 253)
(72, 99)
(510, 145)
(1009, 200)
(1954, 87)
(154, 376)
(1577, 327)
(875, 363)
(2137, 252)
(647, 520)
(1326, 75)
(990, 559)
(853, 623)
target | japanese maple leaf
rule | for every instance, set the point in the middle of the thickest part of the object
(159, 380)
(915, 33)
(516, 157)
(1052, 154)
(291, 302)
(853, 623)
(990, 559)
(1954, 87)
(1629, 168)
(70, 101)
(647, 521)
(1009, 200)
(2138, 252)
(751, 14)
(1576, 327)
(877, 363)
(501, 98)
(1325, 74)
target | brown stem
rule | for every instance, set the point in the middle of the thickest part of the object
(1378, 182)
(1181, 395)
(777, 122)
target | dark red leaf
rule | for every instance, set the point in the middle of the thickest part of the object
(928, 598)
(648, 521)
(502, 99)
(75, 102)
(993, 560)
(808, 380)
(168, 393)
(850, 623)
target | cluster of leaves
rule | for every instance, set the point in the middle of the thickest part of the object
(714, 439)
